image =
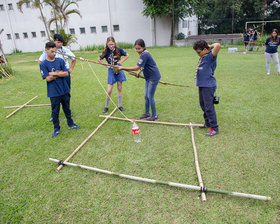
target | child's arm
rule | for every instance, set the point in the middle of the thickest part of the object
(136, 68)
(73, 63)
(59, 74)
(124, 59)
(215, 48)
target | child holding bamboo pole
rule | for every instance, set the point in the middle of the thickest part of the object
(206, 82)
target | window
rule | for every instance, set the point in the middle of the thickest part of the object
(9, 36)
(43, 33)
(116, 27)
(104, 29)
(25, 35)
(28, 5)
(33, 34)
(82, 30)
(93, 29)
(17, 35)
(10, 6)
(185, 24)
(2, 8)
(72, 30)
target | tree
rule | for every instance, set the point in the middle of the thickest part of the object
(60, 12)
(35, 4)
(182, 8)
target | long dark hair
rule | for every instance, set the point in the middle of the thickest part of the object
(277, 33)
(104, 52)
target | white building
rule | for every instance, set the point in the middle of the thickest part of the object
(122, 19)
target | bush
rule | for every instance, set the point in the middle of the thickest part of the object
(180, 36)
(100, 47)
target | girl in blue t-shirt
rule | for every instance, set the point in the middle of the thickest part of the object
(272, 44)
(112, 53)
(151, 75)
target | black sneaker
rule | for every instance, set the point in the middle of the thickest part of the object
(121, 108)
(105, 110)
(153, 118)
(212, 132)
(144, 116)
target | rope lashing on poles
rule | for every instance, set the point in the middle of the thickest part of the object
(172, 184)
(116, 67)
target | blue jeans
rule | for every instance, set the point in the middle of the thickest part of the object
(150, 89)
(64, 100)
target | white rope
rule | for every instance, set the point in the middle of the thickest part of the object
(105, 89)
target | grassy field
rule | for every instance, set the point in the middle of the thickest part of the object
(244, 157)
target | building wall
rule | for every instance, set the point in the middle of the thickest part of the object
(126, 14)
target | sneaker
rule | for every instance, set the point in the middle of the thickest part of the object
(153, 118)
(105, 110)
(144, 116)
(55, 133)
(51, 119)
(204, 126)
(121, 108)
(74, 126)
(212, 132)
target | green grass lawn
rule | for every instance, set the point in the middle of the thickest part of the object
(244, 157)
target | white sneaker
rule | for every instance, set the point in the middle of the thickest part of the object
(268, 73)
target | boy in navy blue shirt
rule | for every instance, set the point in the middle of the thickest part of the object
(54, 71)
(207, 83)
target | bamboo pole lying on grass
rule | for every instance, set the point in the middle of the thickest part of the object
(203, 195)
(153, 122)
(172, 184)
(20, 107)
(85, 141)
(35, 105)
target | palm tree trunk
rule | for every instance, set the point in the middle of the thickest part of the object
(44, 21)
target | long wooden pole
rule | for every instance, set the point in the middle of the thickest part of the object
(20, 107)
(153, 122)
(114, 66)
(85, 141)
(172, 184)
(203, 195)
(34, 105)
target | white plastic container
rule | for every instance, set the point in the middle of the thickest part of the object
(232, 50)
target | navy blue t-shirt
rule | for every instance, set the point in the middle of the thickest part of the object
(111, 56)
(150, 69)
(57, 87)
(271, 45)
(205, 71)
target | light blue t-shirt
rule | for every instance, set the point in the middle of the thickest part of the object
(63, 50)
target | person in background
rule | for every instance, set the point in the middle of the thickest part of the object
(272, 44)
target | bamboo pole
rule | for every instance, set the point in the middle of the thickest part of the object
(203, 195)
(20, 107)
(154, 122)
(34, 105)
(4, 72)
(172, 184)
(85, 141)
(114, 66)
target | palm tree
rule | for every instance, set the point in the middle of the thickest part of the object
(60, 11)
(35, 4)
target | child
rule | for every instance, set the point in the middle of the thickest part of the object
(272, 44)
(246, 38)
(58, 40)
(113, 55)
(207, 83)
(152, 77)
(54, 71)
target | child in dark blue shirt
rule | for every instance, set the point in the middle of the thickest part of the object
(206, 82)
(151, 75)
(272, 44)
(54, 71)
(112, 53)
